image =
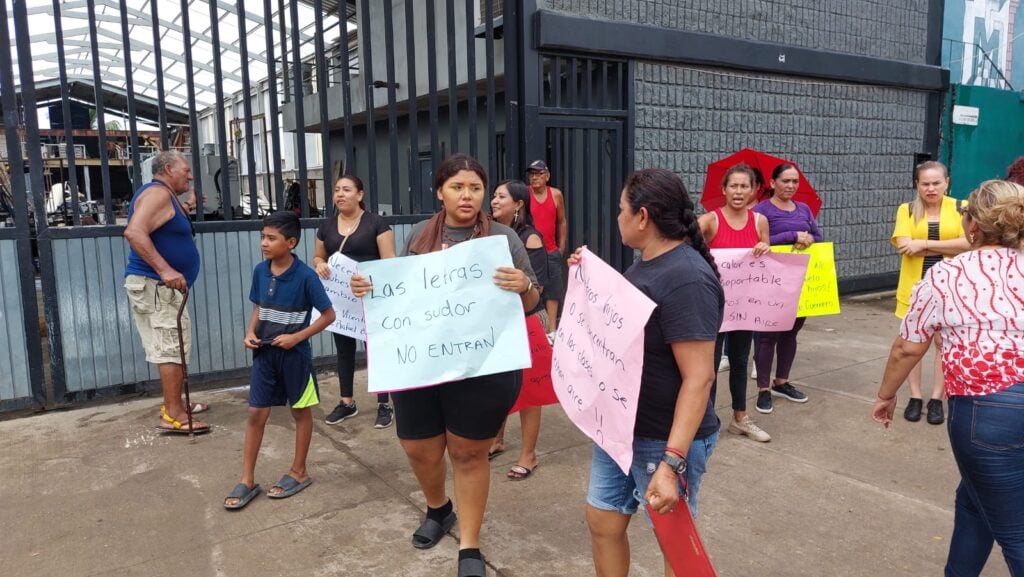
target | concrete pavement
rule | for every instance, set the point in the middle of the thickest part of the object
(97, 492)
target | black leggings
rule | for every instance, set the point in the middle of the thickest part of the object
(766, 352)
(346, 347)
(738, 351)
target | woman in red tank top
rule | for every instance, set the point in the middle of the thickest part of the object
(736, 226)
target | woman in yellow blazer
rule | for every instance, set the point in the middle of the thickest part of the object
(928, 229)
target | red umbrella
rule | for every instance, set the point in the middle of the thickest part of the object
(713, 198)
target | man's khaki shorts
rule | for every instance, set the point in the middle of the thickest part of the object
(155, 310)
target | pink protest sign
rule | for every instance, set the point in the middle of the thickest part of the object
(762, 293)
(598, 357)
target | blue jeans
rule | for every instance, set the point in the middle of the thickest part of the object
(987, 436)
(611, 490)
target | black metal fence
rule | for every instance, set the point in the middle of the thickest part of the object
(121, 83)
(271, 101)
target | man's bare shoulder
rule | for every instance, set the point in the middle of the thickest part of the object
(152, 209)
(153, 199)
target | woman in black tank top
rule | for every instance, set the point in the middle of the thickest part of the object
(510, 205)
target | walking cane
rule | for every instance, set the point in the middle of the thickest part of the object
(184, 366)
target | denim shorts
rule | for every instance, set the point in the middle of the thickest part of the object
(611, 490)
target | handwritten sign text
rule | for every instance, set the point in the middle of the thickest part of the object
(761, 293)
(598, 357)
(438, 317)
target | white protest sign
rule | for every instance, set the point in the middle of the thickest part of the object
(348, 309)
(438, 317)
(599, 352)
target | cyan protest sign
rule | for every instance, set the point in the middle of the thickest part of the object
(438, 317)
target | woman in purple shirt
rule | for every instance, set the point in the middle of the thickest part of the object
(789, 222)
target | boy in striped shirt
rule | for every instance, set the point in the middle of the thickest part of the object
(283, 291)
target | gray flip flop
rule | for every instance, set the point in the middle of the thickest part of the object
(243, 493)
(290, 485)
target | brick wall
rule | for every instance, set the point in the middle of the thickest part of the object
(880, 28)
(855, 143)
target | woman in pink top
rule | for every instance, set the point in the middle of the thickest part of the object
(736, 226)
(975, 301)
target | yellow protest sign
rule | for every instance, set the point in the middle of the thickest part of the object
(820, 295)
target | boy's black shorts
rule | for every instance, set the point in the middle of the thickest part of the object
(473, 408)
(281, 377)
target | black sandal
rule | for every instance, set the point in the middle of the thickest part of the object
(472, 568)
(430, 531)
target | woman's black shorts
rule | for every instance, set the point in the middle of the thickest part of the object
(473, 408)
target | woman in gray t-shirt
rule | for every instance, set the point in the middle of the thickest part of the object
(460, 417)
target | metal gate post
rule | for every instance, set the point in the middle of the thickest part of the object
(523, 131)
(22, 230)
(28, 288)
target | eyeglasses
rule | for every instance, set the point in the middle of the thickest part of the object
(964, 210)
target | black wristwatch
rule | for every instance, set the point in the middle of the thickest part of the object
(677, 463)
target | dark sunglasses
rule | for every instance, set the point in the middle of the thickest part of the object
(964, 210)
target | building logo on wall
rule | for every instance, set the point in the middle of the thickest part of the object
(988, 31)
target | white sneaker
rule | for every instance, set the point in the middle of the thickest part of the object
(753, 372)
(748, 428)
(723, 365)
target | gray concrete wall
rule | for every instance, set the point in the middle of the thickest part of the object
(879, 28)
(855, 143)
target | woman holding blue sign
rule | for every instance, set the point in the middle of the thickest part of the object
(362, 236)
(676, 425)
(459, 417)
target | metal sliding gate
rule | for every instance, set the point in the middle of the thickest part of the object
(271, 101)
(587, 120)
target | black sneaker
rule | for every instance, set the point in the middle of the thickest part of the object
(764, 401)
(384, 416)
(788, 391)
(342, 412)
(913, 411)
(935, 413)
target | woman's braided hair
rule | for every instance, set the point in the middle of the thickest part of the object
(668, 204)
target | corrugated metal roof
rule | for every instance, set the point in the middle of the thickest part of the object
(75, 19)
